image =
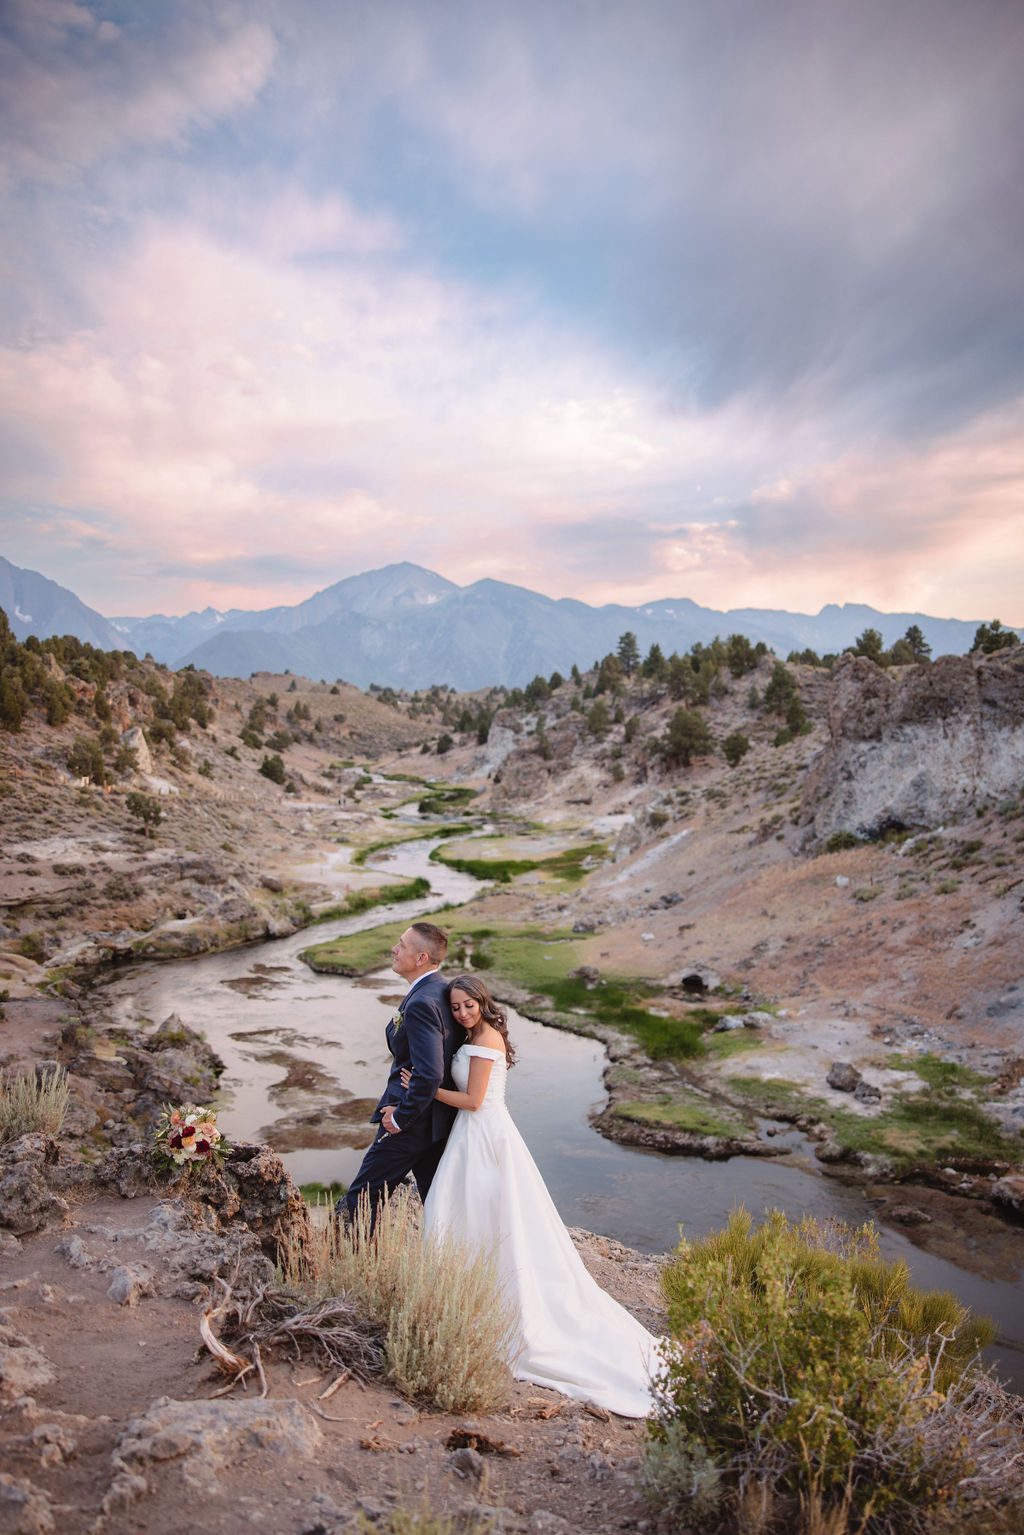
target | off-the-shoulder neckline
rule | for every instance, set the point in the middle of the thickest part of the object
(499, 1055)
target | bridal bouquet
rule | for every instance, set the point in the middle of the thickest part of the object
(188, 1135)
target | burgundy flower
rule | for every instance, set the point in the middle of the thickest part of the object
(202, 1148)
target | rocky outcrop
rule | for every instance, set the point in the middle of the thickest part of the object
(917, 746)
(27, 1195)
(530, 760)
(250, 1191)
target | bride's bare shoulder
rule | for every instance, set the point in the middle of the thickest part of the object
(490, 1039)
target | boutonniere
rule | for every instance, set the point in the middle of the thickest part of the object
(396, 1018)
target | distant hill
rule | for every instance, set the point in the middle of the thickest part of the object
(404, 626)
(36, 605)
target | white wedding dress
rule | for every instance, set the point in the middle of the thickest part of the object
(487, 1190)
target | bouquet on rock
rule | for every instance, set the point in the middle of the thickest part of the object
(189, 1134)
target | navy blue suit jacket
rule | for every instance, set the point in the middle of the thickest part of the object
(425, 1042)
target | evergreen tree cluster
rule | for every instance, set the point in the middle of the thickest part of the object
(27, 682)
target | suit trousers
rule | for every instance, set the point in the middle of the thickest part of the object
(386, 1164)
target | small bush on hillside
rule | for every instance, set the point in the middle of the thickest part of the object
(272, 768)
(842, 841)
(735, 747)
(85, 760)
(29, 1105)
(145, 808)
(810, 1388)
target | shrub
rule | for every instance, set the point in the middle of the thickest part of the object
(449, 1333)
(272, 768)
(85, 760)
(780, 690)
(988, 638)
(735, 747)
(842, 841)
(30, 1105)
(808, 1375)
(145, 809)
(686, 737)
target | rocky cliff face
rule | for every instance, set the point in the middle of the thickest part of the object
(917, 746)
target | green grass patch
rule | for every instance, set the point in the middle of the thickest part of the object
(778, 1095)
(731, 1042)
(379, 895)
(322, 1193)
(940, 1075)
(695, 1117)
(927, 1128)
(446, 801)
(355, 953)
(567, 865)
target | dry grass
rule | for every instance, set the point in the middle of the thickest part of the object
(449, 1332)
(422, 1520)
(32, 1106)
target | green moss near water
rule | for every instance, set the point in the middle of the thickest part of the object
(379, 895)
(670, 1114)
(567, 865)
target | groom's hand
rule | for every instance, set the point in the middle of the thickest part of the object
(387, 1119)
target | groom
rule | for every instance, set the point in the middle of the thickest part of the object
(422, 1036)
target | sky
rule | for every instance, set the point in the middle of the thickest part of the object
(615, 301)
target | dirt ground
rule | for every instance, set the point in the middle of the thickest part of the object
(94, 1368)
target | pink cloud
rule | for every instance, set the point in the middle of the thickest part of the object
(228, 403)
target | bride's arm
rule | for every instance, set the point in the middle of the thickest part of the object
(476, 1087)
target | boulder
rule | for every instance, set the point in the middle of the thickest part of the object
(135, 740)
(843, 1077)
(757, 1020)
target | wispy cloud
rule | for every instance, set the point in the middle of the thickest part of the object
(615, 303)
(79, 85)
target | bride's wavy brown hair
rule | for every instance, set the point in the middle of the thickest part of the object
(490, 1012)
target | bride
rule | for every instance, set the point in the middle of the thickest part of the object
(487, 1190)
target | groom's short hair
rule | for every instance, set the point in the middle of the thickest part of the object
(433, 940)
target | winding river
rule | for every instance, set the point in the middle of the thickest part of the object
(291, 1039)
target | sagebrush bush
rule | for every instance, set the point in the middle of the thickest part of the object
(450, 1332)
(932, 1321)
(28, 1104)
(810, 1388)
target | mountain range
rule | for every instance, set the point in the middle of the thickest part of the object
(404, 626)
